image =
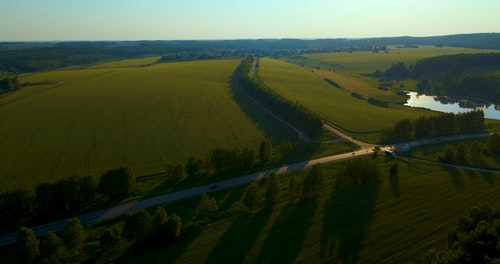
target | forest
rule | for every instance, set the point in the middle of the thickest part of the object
(21, 57)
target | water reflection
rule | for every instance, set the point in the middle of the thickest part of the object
(449, 104)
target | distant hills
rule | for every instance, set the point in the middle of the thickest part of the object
(39, 56)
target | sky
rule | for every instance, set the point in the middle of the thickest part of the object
(51, 20)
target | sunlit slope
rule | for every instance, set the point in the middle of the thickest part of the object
(334, 105)
(88, 121)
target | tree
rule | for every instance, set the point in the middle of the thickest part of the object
(250, 195)
(376, 149)
(474, 239)
(494, 143)
(174, 225)
(51, 247)
(117, 182)
(15, 205)
(137, 225)
(272, 190)
(475, 151)
(159, 222)
(266, 152)
(313, 181)
(207, 207)
(448, 155)
(73, 236)
(462, 152)
(247, 158)
(160, 217)
(28, 245)
(110, 237)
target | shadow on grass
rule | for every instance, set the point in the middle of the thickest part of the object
(394, 181)
(457, 179)
(239, 238)
(489, 177)
(347, 217)
(161, 252)
(286, 237)
(271, 127)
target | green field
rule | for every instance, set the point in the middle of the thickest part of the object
(335, 105)
(91, 120)
(368, 62)
(393, 222)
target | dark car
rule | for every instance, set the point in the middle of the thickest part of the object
(213, 186)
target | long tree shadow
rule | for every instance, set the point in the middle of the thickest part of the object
(457, 179)
(347, 217)
(489, 177)
(286, 237)
(271, 127)
(239, 238)
(394, 181)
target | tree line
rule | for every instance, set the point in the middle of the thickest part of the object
(75, 194)
(50, 201)
(139, 228)
(434, 126)
(292, 112)
(472, 153)
(461, 74)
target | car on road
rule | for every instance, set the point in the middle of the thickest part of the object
(213, 186)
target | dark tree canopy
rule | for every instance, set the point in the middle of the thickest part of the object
(474, 239)
(28, 245)
(117, 182)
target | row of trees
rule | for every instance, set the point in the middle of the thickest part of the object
(224, 160)
(139, 227)
(61, 198)
(433, 126)
(76, 193)
(292, 112)
(52, 248)
(471, 153)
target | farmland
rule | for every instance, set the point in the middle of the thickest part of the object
(87, 121)
(368, 61)
(391, 222)
(335, 105)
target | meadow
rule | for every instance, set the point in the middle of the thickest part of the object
(391, 222)
(87, 121)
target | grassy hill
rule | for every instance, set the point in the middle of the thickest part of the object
(334, 105)
(79, 121)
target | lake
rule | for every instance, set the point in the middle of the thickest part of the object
(449, 104)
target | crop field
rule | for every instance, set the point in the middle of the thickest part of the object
(90, 120)
(391, 222)
(335, 105)
(368, 62)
